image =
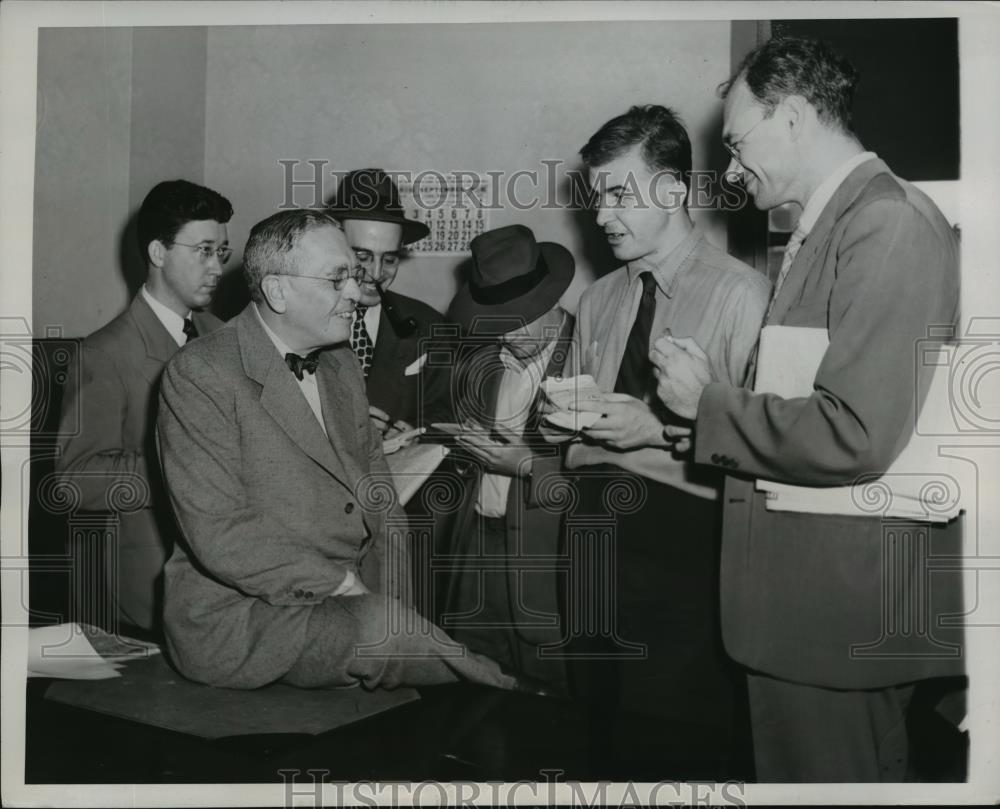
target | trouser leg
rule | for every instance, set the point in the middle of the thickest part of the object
(380, 642)
(804, 733)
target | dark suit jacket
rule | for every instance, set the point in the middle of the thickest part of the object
(533, 523)
(821, 599)
(418, 398)
(273, 512)
(109, 464)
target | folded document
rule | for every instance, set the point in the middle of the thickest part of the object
(921, 484)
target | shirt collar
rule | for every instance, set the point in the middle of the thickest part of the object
(278, 342)
(825, 191)
(667, 273)
(171, 321)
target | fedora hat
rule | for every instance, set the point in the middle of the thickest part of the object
(513, 280)
(371, 194)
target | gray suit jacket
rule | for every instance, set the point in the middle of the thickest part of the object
(837, 601)
(273, 513)
(109, 463)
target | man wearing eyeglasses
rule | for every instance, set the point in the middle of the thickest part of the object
(294, 567)
(390, 330)
(110, 462)
(813, 601)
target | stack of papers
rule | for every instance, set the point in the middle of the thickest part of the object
(565, 393)
(920, 484)
(72, 652)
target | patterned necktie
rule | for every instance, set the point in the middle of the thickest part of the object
(190, 330)
(791, 250)
(302, 365)
(635, 375)
(361, 341)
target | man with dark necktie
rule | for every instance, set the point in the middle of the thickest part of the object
(110, 463)
(660, 656)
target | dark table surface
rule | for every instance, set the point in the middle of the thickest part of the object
(460, 732)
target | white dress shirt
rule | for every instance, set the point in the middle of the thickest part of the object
(171, 321)
(825, 191)
(518, 388)
(308, 384)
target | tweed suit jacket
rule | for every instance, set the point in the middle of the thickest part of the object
(821, 599)
(421, 398)
(110, 462)
(273, 512)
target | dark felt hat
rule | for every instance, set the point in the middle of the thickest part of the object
(513, 279)
(371, 194)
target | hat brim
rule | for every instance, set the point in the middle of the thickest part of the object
(496, 319)
(413, 231)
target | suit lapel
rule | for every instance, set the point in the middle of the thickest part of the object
(159, 345)
(340, 384)
(281, 396)
(819, 237)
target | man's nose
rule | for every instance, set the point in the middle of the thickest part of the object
(734, 171)
(352, 290)
(603, 215)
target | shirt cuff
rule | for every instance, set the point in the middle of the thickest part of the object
(346, 584)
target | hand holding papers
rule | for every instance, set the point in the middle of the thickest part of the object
(564, 395)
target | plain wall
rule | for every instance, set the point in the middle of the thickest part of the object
(124, 108)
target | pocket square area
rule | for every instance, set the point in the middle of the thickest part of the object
(416, 366)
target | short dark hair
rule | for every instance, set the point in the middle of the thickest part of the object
(272, 239)
(800, 66)
(665, 142)
(170, 205)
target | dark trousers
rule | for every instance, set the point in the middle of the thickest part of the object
(485, 613)
(665, 600)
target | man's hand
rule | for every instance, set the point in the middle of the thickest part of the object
(385, 424)
(678, 438)
(625, 423)
(682, 372)
(508, 456)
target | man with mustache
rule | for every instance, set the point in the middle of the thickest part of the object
(110, 462)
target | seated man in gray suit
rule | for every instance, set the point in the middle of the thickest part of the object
(294, 564)
(108, 462)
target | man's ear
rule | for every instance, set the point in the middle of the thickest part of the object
(273, 291)
(669, 191)
(156, 251)
(797, 110)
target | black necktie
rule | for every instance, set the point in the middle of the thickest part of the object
(300, 365)
(635, 375)
(189, 329)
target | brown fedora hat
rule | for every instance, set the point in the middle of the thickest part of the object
(513, 280)
(371, 194)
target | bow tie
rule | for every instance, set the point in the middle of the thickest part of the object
(299, 365)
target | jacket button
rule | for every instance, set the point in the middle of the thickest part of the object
(715, 457)
(308, 594)
(349, 508)
(298, 593)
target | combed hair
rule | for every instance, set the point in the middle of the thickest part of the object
(272, 241)
(800, 66)
(664, 140)
(170, 205)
